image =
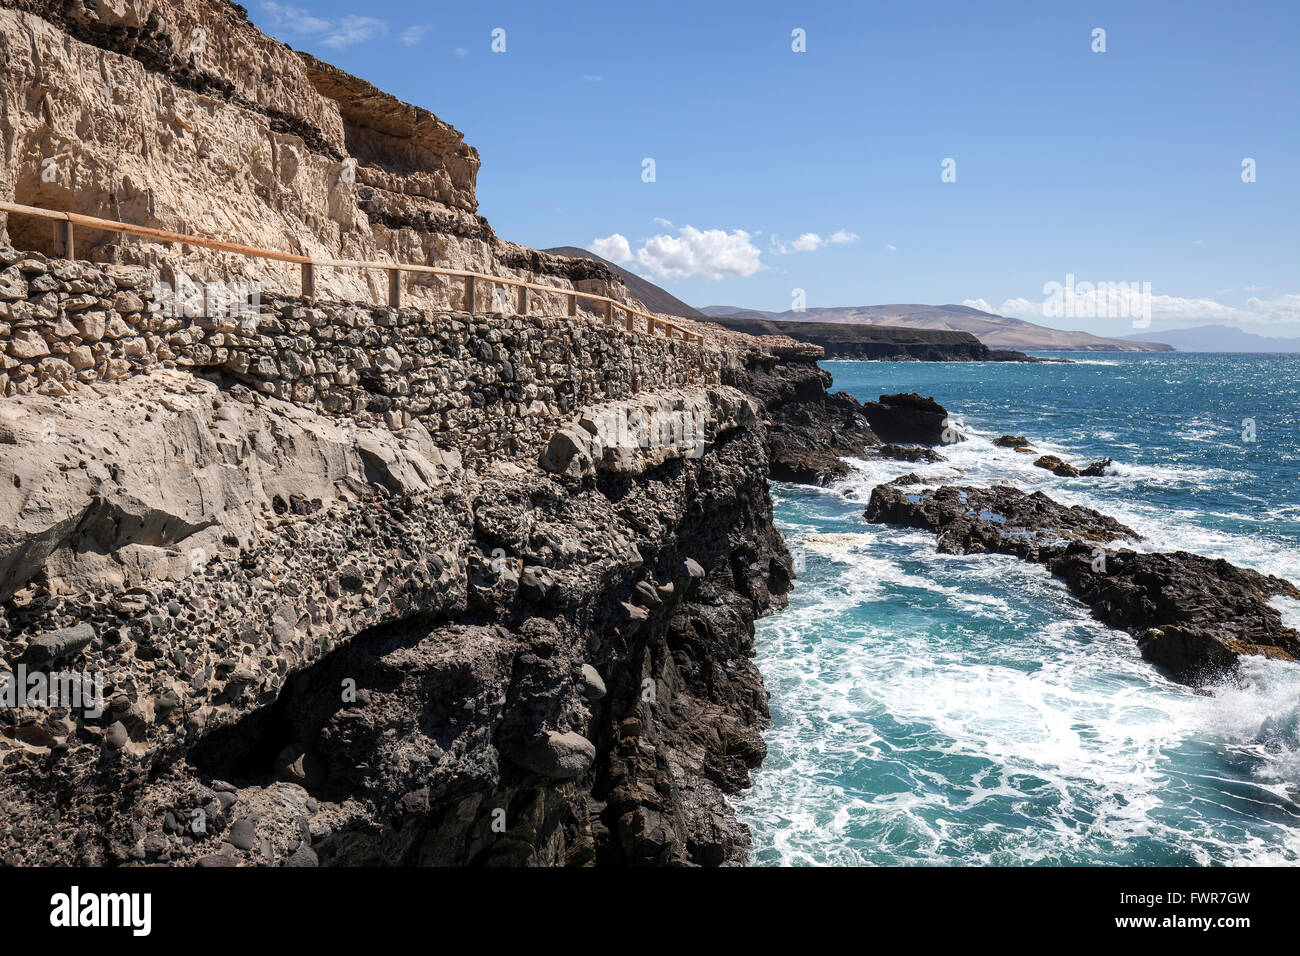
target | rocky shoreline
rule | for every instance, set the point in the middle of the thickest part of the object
(410, 654)
(1192, 616)
(318, 582)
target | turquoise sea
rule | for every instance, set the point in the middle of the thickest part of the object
(943, 710)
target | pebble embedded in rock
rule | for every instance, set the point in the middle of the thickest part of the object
(116, 736)
(243, 834)
(593, 686)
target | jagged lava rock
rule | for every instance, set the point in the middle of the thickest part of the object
(1192, 615)
(910, 418)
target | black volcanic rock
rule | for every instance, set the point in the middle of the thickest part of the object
(809, 428)
(1012, 441)
(1066, 470)
(909, 453)
(1192, 615)
(909, 418)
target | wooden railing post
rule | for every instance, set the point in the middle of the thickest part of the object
(573, 305)
(523, 300)
(308, 281)
(63, 238)
(649, 325)
(631, 325)
(609, 311)
(395, 288)
(469, 293)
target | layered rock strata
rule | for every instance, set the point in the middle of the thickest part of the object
(182, 115)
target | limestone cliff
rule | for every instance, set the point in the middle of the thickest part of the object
(180, 114)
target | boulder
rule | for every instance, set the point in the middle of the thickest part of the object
(1066, 470)
(555, 755)
(910, 418)
(57, 647)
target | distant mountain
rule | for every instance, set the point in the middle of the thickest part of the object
(995, 331)
(652, 297)
(1226, 338)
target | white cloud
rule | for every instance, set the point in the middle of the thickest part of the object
(293, 19)
(414, 36)
(1016, 308)
(891, 247)
(615, 248)
(708, 253)
(336, 34)
(591, 78)
(664, 223)
(1282, 309)
(461, 51)
(352, 30)
(810, 242)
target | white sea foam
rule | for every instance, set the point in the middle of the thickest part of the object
(1290, 609)
(1162, 528)
(912, 726)
(1069, 722)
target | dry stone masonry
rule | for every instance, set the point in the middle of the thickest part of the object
(485, 383)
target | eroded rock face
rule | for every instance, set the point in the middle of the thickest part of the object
(1192, 615)
(252, 533)
(337, 611)
(181, 115)
(629, 436)
(371, 660)
(810, 428)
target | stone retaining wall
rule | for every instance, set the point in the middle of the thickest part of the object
(485, 383)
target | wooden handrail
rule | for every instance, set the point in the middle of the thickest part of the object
(310, 264)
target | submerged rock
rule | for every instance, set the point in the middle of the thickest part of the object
(1066, 470)
(909, 453)
(1018, 442)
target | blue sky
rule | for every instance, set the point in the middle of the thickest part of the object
(1115, 166)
